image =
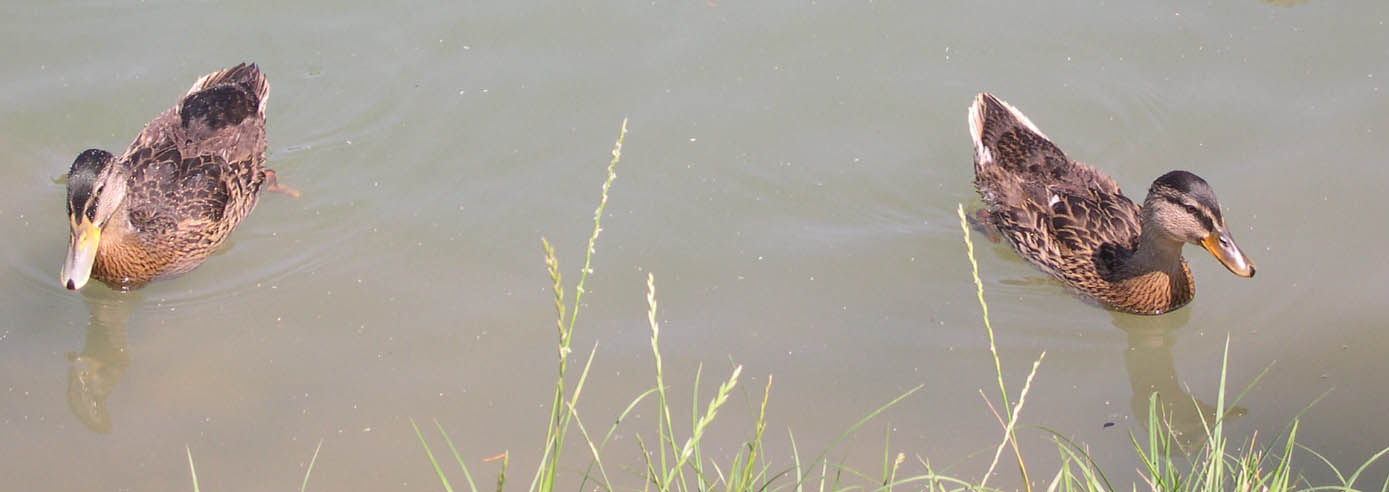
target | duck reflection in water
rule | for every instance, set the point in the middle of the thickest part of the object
(95, 371)
(1151, 369)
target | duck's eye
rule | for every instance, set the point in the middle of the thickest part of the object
(91, 213)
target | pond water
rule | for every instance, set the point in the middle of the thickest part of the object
(791, 178)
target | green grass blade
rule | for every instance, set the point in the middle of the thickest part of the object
(993, 347)
(597, 457)
(665, 431)
(501, 476)
(1355, 476)
(796, 458)
(621, 417)
(597, 224)
(756, 446)
(191, 469)
(853, 428)
(887, 453)
(305, 486)
(440, 471)
(1328, 463)
(979, 288)
(697, 434)
(1083, 459)
(456, 456)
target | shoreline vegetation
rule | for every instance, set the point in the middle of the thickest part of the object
(676, 463)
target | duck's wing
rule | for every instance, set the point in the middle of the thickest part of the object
(1007, 142)
(1058, 210)
(223, 114)
(1091, 219)
(225, 110)
(176, 198)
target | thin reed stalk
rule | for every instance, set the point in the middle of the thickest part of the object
(998, 364)
(559, 416)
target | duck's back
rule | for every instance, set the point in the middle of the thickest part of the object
(1062, 216)
(214, 140)
(195, 171)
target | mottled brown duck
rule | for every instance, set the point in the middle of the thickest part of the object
(170, 200)
(1074, 223)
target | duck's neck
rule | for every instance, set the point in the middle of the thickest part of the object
(1155, 279)
(1157, 252)
(119, 257)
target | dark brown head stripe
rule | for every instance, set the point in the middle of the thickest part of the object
(82, 177)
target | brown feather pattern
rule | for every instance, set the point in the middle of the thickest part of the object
(194, 172)
(1065, 217)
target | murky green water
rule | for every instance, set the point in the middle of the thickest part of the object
(791, 179)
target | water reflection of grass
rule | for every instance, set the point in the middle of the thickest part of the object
(674, 464)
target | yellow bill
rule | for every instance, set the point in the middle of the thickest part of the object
(1222, 246)
(82, 247)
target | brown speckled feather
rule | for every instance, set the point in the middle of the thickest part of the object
(194, 172)
(1063, 216)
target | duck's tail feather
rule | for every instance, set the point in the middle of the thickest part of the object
(224, 98)
(246, 75)
(1005, 137)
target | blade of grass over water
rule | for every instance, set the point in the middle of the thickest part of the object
(597, 457)
(993, 349)
(191, 469)
(1008, 433)
(501, 476)
(597, 225)
(683, 453)
(305, 486)
(559, 418)
(854, 428)
(694, 421)
(456, 457)
(796, 458)
(665, 433)
(887, 451)
(430, 453)
(745, 480)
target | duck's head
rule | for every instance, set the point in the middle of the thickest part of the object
(95, 192)
(1183, 206)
